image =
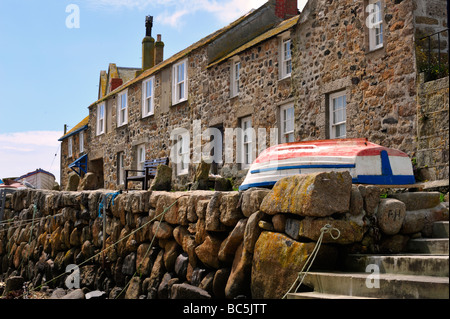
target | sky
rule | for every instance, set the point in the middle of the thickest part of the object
(52, 52)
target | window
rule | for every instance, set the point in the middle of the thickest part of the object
(286, 59)
(247, 142)
(121, 168)
(375, 25)
(179, 90)
(81, 141)
(101, 119)
(148, 97)
(287, 123)
(140, 157)
(122, 110)
(235, 78)
(338, 115)
(70, 147)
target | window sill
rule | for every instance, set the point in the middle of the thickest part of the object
(147, 116)
(179, 102)
(123, 125)
(288, 77)
(376, 51)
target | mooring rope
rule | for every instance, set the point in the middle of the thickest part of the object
(107, 248)
(302, 274)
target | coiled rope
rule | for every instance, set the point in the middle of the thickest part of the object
(327, 229)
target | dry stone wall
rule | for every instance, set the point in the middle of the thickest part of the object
(201, 244)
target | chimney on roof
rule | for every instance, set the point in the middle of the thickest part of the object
(148, 45)
(114, 83)
(159, 50)
(285, 9)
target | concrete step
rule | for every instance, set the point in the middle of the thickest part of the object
(391, 286)
(434, 246)
(405, 264)
(318, 295)
(440, 229)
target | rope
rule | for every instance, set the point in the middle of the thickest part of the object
(105, 202)
(107, 248)
(138, 270)
(327, 229)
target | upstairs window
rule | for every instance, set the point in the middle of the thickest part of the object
(338, 115)
(122, 110)
(101, 119)
(375, 24)
(235, 78)
(286, 59)
(179, 90)
(148, 107)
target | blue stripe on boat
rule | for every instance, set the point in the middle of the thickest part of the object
(264, 184)
(283, 168)
(385, 180)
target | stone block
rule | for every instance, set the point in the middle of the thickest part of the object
(317, 194)
(390, 215)
(278, 259)
(418, 200)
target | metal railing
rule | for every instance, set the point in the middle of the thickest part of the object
(436, 61)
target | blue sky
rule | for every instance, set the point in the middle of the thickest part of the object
(49, 73)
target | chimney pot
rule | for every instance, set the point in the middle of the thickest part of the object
(285, 9)
(159, 50)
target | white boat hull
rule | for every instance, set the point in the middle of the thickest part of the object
(367, 163)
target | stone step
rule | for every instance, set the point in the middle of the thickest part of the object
(434, 246)
(405, 264)
(318, 295)
(440, 229)
(391, 286)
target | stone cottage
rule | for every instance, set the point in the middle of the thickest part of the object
(339, 69)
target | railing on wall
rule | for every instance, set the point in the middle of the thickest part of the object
(432, 53)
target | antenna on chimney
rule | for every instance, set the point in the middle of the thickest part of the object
(148, 26)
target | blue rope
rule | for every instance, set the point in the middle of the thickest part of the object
(102, 203)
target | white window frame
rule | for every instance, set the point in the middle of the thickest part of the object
(122, 110)
(182, 154)
(148, 98)
(70, 146)
(140, 157)
(121, 167)
(178, 83)
(341, 119)
(101, 119)
(376, 29)
(235, 77)
(247, 142)
(287, 123)
(81, 135)
(285, 57)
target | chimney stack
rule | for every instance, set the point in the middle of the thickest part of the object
(148, 45)
(286, 9)
(159, 50)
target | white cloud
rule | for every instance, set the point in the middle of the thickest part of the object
(24, 152)
(173, 11)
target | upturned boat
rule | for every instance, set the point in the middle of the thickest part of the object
(367, 163)
(39, 179)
